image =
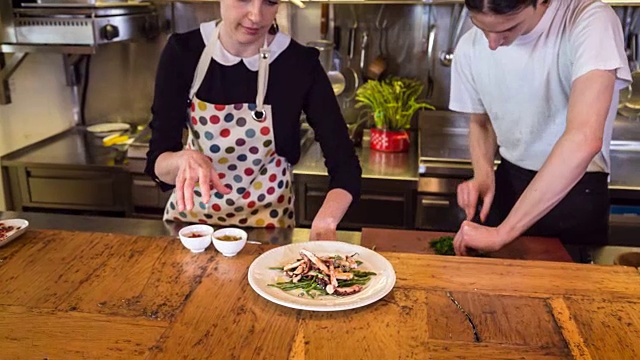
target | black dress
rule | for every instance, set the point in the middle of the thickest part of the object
(297, 84)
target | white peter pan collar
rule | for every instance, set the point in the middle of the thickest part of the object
(221, 55)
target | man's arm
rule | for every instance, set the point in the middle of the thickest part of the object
(482, 145)
(589, 104)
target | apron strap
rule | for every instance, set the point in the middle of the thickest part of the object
(263, 79)
(263, 72)
(203, 63)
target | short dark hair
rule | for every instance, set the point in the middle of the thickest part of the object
(499, 7)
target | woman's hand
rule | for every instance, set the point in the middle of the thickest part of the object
(328, 217)
(470, 191)
(195, 168)
(323, 229)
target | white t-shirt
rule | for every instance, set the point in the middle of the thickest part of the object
(525, 87)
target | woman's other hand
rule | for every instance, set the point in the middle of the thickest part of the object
(330, 214)
(194, 168)
(323, 229)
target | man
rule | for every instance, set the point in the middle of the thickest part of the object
(540, 80)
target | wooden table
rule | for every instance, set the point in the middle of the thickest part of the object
(78, 295)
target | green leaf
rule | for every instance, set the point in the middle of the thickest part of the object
(391, 103)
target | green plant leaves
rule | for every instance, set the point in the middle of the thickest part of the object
(391, 102)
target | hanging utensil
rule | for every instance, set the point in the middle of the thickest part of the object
(378, 66)
(351, 76)
(431, 38)
(446, 57)
(324, 20)
(326, 48)
(363, 52)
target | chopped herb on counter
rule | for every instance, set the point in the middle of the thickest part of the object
(443, 245)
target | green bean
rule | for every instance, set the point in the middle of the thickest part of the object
(360, 274)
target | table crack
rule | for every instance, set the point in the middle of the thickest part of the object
(476, 336)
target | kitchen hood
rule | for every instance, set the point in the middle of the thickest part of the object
(68, 27)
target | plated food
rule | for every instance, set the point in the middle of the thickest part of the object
(6, 230)
(315, 275)
(10, 229)
(371, 288)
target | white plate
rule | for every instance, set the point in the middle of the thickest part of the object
(105, 129)
(20, 227)
(377, 288)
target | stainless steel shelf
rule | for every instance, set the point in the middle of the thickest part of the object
(392, 2)
(355, 2)
(61, 49)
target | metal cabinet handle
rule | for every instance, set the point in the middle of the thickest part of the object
(145, 183)
(439, 203)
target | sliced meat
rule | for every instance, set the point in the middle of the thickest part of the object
(348, 290)
(293, 265)
(314, 259)
(332, 276)
(343, 276)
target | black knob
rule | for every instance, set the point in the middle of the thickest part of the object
(109, 32)
(151, 28)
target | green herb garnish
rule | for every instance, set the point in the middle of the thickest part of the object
(443, 245)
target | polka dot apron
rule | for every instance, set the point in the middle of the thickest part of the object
(238, 138)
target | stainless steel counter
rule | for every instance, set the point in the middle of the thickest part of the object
(72, 148)
(375, 164)
(143, 227)
(444, 139)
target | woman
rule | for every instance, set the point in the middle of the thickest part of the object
(239, 86)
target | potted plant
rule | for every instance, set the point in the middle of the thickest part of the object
(391, 104)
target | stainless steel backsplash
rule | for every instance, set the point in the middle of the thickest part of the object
(122, 75)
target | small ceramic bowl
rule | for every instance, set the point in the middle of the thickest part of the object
(196, 237)
(229, 247)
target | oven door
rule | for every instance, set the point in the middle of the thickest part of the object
(437, 207)
(439, 213)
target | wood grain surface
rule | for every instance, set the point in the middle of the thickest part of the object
(75, 295)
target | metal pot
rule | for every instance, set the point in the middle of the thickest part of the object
(326, 52)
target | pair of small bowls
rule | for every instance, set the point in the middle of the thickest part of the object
(198, 237)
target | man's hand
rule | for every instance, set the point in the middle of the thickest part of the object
(469, 192)
(478, 237)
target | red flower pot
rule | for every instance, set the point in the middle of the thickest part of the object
(389, 141)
